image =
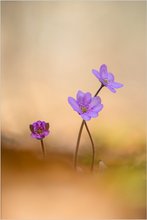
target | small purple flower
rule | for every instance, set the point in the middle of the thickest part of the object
(39, 129)
(106, 78)
(86, 105)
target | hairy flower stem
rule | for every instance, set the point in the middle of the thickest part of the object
(42, 146)
(78, 142)
(79, 137)
(93, 148)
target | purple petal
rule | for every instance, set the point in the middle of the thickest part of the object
(74, 104)
(85, 116)
(97, 108)
(110, 77)
(103, 68)
(36, 125)
(33, 135)
(111, 89)
(93, 114)
(87, 98)
(95, 101)
(96, 73)
(46, 133)
(117, 85)
(41, 136)
(37, 136)
(43, 124)
(103, 76)
(80, 95)
(103, 71)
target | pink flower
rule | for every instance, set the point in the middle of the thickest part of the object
(39, 129)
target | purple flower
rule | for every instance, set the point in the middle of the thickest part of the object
(106, 78)
(86, 105)
(39, 129)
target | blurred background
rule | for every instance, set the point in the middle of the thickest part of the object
(48, 51)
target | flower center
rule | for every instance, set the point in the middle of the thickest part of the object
(84, 109)
(106, 80)
(39, 131)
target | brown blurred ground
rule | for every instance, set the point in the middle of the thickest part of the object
(51, 189)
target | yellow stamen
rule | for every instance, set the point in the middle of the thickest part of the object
(39, 131)
(84, 109)
(106, 80)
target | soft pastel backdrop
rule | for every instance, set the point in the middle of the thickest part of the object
(48, 51)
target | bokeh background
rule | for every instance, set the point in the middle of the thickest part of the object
(48, 51)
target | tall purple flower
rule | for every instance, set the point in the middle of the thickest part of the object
(106, 78)
(86, 105)
(39, 129)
